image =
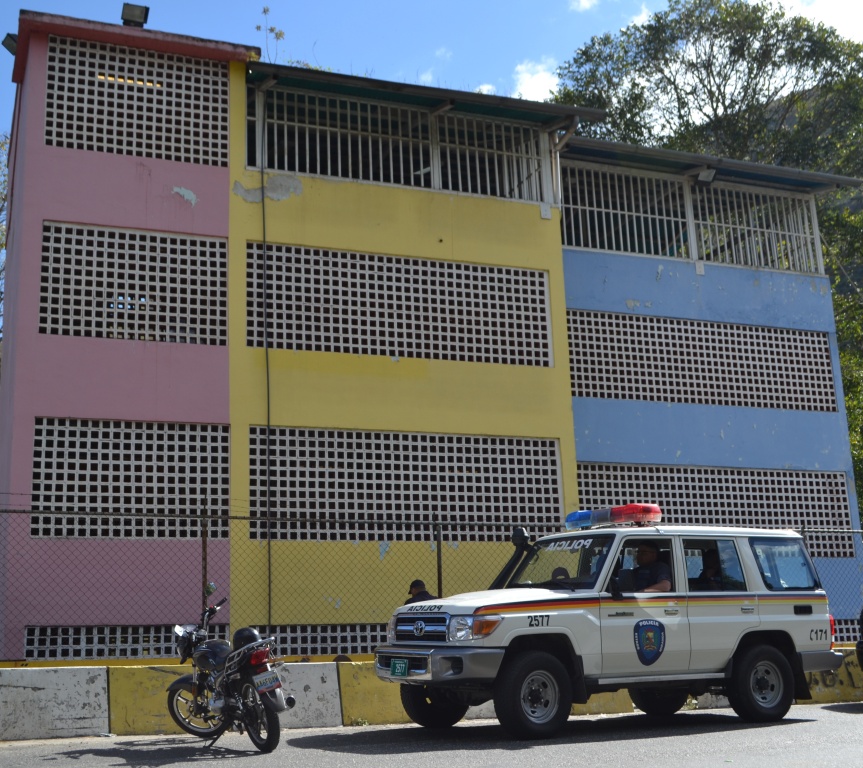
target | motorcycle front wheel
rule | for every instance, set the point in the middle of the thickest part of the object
(194, 718)
(262, 723)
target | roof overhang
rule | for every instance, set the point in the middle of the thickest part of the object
(32, 22)
(542, 114)
(691, 164)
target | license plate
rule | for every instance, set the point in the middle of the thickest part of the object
(399, 667)
(267, 681)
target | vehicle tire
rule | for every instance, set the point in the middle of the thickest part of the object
(533, 695)
(430, 708)
(658, 702)
(185, 713)
(262, 723)
(762, 686)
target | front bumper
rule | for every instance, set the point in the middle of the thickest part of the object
(438, 665)
(821, 661)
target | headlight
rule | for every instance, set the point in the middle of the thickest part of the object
(471, 627)
(391, 630)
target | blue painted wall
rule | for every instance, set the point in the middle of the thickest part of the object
(635, 431)
(640, 432)
(663, 287)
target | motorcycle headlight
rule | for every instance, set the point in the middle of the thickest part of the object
(471, 627)
(183, 645)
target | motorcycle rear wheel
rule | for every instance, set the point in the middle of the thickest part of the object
(262, 723)
(185, 712)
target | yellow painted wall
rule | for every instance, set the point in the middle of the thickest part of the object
(324, 390)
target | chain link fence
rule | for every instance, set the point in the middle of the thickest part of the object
(84, 597)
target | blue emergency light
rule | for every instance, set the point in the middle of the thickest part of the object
(639, 514)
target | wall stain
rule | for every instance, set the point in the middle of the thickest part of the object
(186, 194)
(276, 188)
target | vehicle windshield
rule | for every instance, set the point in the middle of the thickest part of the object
(571, 562)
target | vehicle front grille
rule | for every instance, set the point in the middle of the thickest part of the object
(421, 628)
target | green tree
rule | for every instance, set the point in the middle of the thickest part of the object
(746, 81)
(722, 77)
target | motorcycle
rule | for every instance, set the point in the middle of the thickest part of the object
(230, 687)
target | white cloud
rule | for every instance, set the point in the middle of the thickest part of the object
(426, 77)
(642, 17)
(534, 80)
(847, 18)
(582, 5)
(487, 88)
(443, 53)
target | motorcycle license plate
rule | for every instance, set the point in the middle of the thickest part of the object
(267, 681)
(399, 667)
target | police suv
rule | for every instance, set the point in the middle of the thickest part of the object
(736, 611)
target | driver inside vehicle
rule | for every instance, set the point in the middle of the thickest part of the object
(650, 573)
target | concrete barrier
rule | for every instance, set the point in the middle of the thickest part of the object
(55, 702)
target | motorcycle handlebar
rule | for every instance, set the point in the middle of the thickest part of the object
(211, 611)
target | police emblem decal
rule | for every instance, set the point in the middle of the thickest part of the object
(649, 638)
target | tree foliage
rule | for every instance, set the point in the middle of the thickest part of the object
(746, 81)
(722, 77)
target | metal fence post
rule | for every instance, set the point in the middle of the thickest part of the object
(438, 537)
(204, 537)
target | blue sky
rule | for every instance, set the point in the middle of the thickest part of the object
(506, 47)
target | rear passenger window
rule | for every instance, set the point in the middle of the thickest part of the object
(784, 564)
(713, 565)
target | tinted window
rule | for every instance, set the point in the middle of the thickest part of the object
(713, 565)
(784, 564)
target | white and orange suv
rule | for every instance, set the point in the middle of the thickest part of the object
(562, 622)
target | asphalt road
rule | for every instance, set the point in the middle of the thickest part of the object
(811, 736)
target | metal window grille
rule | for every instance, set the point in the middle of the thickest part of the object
(163, 476)
(105, 642)
(340, 485)
(612, 210)
(487, 157)
(347, 138)
(756, 229)
(627, 211)
(636, 357)
(332, 301)
(769, 498)
(125, 284)
(393, 144)
(107, 98)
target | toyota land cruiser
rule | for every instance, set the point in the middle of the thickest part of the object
(563, 621)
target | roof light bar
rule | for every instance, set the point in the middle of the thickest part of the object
(628, 513)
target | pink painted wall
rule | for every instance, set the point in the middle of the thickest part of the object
(91, 378)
